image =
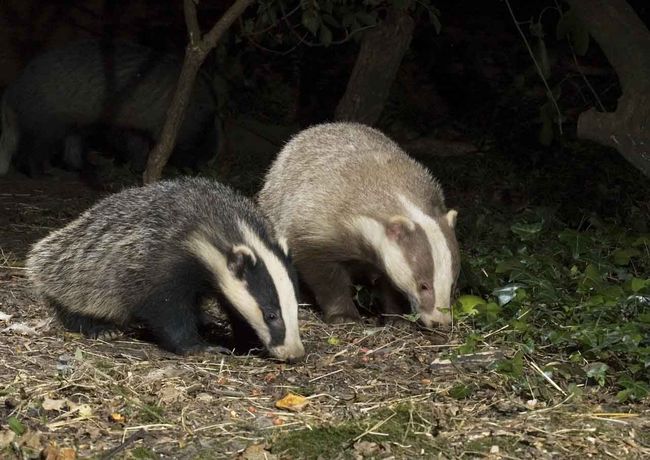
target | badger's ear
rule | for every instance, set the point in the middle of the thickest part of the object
(399, 226)
(284, 244)
(451, 217)
(240, 258)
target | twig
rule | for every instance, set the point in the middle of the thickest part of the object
(140, 434)
(549, 93)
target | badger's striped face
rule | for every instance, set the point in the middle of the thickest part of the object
(259, 282)
(419, 253)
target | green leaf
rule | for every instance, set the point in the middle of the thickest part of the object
(311, 20)
(325, 35)
(468, 304)
(368, 19)
(513, 367)
(638, 284)
(623, 256)
(635, 390)
(527, 231)
(570, 26)
(333, 340)
(536, 29)
(597, 371)
(331, 21)
(16, 426)
(461, 391)
(577, 241)
(491, 311)
(435, 20)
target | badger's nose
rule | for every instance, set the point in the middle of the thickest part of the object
(437, 318)
(287, 353)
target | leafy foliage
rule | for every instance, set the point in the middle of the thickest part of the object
(329, 22)
(551, 278)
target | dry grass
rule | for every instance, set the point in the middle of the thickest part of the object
(376, 392)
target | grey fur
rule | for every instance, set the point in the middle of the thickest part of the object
(323, 179)
(110, 260)
(86, 83)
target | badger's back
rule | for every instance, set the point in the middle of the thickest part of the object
(335, 169)
(110, 258)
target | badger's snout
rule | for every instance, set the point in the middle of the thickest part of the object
(290, 353)
(436, 317)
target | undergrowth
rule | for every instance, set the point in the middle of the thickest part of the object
(557, 262)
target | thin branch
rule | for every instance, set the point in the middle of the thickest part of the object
(192, 22)
(582, 74)
(211, 39)
(549, 93)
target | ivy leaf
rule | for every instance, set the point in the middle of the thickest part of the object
(597, 371)
(368, 19)
(527, 231)
(311, 20)
(435, 20)
(623, 256)
(325, 35)
(468, 304)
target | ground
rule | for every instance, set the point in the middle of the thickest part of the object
(364, 391)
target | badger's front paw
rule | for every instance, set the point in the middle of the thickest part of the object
(340, 318)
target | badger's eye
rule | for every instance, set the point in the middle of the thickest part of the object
(270, 316)
(425, 287)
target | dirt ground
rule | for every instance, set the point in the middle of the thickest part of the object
(363, 391)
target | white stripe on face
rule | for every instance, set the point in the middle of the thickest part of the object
(234, 289)
(292, 347)
(443, 276)
(395, 264)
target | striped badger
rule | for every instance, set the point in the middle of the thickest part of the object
(351, 202)
(149, 255)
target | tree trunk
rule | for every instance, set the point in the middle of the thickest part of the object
(197, 50)
(381, 53)
(625, 40)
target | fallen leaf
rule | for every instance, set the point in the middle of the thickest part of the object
(31, 440)
(53, 452)
(292, 402)
(21, 328)
(6, 438)
(366, 448)
(256, 452)
(4, 316)
(163, 374)
(204, 397)
(333, 340)
(116, 417)
(85, 410)
(169, 394)
(54, 404)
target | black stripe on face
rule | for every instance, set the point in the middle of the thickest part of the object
(262, 289)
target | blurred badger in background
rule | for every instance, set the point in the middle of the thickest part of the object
(68, 94)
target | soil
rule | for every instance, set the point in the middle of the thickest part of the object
(363, 391)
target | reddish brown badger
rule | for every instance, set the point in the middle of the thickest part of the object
(349, 200)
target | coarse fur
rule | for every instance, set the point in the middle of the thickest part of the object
(349, 200)
(150, 255)
(69, 90)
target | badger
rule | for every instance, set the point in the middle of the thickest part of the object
(149, 256)
(351, 203)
